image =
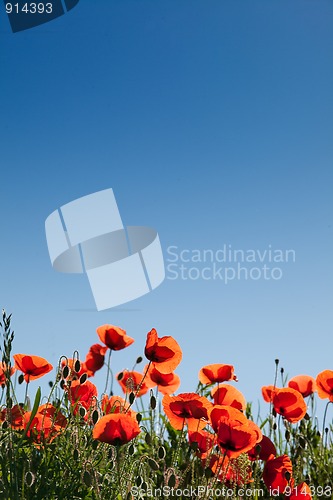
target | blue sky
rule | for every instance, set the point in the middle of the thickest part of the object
(212, 122)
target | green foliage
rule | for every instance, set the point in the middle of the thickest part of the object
(75, 466)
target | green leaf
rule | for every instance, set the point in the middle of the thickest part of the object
(33, 412)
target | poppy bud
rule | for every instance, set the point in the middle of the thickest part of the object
(152, 464)
(172, 481)
(65, 371)
(94, 416)
(161, 452)
(131, 450)
(131, 398)
(153, 402)
(21, 378)
(77, 366)
(29, 478)
(138, 417)
(139, 360)
(148, 438)
(87, 478)
(83, 378)
(120, 376)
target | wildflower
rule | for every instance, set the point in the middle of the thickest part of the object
(187, 408)
(267, 392)
(277, 472)
(167, 383)
(45, 425)
(95, 359)
(82, 395)
(325, 384)
(132, 381)
(227, 395)
(216, 373)
(304, 384)
(163, 352)
(235, 433)
(3, 370)
(290, 404)
(204, 440)
(32, 366)
(114, 337)
(14, 416)
(116, 429)
(262, 450)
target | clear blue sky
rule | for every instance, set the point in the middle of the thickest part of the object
(212, 122)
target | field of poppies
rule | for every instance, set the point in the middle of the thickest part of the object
(143, 439)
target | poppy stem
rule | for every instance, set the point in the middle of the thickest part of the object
(177, 450)
(26, 391)
(324, 420)
(118, 471)
(139, 387)
(108, 372)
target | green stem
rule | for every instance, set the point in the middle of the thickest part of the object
(108, 372)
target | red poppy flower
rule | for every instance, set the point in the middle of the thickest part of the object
(163, 352)
(300, 492)
(267, 392)
(116, 429)
(228, 395)
(115, 404)
(290, 404)
(3, 370)
(277, 472)
(204, 439)
(46, 424)
(187, 408)
(82, 395)
(32, 366)
(95, 359)
(167, 383)
(304, 384)
(131, 381)
(14, 416)
(325, 384)
(262, 450)
(216, 373)
(114, 337)
(235, 433)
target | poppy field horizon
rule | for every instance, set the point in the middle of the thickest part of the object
(139, 437)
